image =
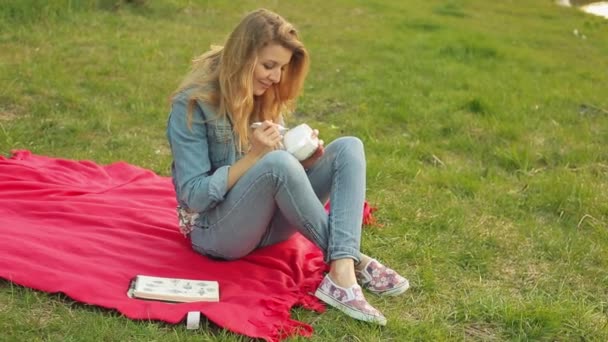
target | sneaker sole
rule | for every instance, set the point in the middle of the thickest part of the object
(350, 312)
(395, 291)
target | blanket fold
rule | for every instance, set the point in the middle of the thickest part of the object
(86, 230)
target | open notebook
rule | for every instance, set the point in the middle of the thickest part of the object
(174, 289)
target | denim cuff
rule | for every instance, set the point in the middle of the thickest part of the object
(218, 184)
(335, 253)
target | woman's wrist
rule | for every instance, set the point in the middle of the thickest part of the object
(254, 154)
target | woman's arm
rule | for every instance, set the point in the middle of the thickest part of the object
(263, 140)
(197, 185)
(238, 169)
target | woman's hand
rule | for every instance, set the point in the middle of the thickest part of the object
(308, 163)
(265, 138)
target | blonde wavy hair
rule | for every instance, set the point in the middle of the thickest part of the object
(223, 76)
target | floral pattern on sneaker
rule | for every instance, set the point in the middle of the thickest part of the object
(380, 279)
(349, 300)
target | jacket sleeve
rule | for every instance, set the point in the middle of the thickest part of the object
(197, 185)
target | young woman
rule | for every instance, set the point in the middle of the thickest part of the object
(238, 190)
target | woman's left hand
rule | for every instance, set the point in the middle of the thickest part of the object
(310, 161)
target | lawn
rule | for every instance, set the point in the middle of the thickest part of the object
(485, 125)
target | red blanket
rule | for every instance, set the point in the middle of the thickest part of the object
(86, 230)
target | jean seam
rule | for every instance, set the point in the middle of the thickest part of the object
(342, 249)
(306, 223)
(335, 185)
(349, 251)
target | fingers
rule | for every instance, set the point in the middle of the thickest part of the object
(273, 135)
(272, 140)
(320, 149)
(269, 128)
(275, 139)
(272, 132)
(266, 124)
(268, 135)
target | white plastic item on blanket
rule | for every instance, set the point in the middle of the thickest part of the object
(300, 143)
(193, 320)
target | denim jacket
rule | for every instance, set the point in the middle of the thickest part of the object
(202, 156)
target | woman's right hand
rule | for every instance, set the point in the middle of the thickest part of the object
(262, 140)
(265, 138)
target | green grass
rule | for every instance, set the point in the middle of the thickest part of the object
(485, 124)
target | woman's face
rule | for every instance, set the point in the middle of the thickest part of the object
(269, 68)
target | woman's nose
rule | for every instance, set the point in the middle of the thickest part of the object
(275, 75)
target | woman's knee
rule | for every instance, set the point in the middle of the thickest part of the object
(282, 163)
(350, 146)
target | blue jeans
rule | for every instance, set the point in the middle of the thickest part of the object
(276, 198)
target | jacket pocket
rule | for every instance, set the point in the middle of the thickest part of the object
(221, 141)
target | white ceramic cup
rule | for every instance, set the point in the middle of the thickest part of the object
(300, 143)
